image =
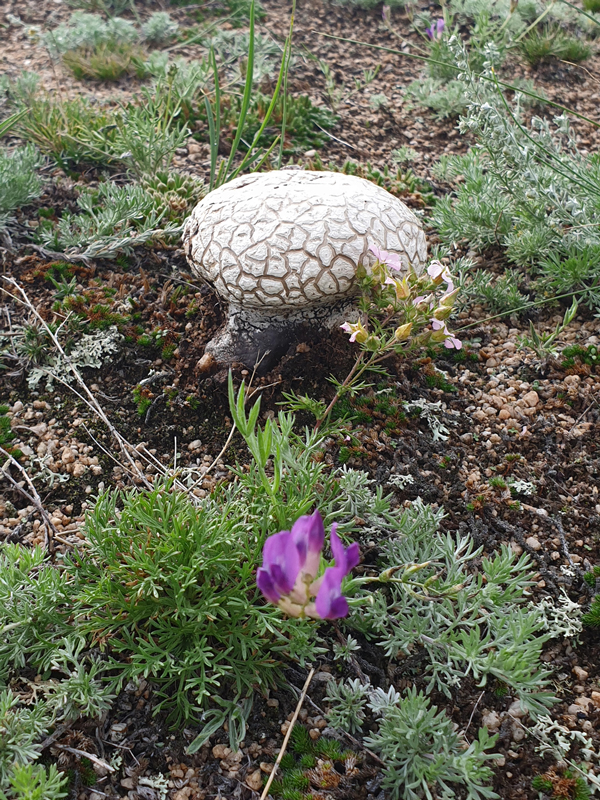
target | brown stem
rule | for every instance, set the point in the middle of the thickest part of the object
(372, 361)
(339, 392)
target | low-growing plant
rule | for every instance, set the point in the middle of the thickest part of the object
(6, 433)
(89, 30)
(231, 50)
(106, 62)
(19, 180)
(348, 700)
(552, 41)
(159, 28)
(544, 344)
(500, 294)
(528, 189)
(115, 219)
(479, 628)
(31, 348)
(422, 750)
(395, 310)
(141, 136)
(305, 127)
(446, 99)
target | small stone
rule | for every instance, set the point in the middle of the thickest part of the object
(78, 470)
(310, 153)
(517, 732)
(221, 751)
(314, 734)
(584, 703)
(516, 710)
(467, 438)
(580, 674)
(206, 362)
(254, 780)
(266, 767)
(596, 699)
(273, 703)
(499, 761)
(574, 709)
(531, 399)
(533, 543)
(285, 727)
(323, 677)
(17, 408)
(504, 413)
(67, 456)
(127, 783)
(195, 445)
(491, 720)
(516, 548)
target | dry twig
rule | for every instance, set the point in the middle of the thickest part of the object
(288, 734)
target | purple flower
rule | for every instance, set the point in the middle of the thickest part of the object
(291, 561)
(438, 273)
(391, 259)
(330, 603)
(436, 31)
(358, 331)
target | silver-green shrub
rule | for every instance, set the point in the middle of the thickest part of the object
(89, 30)
(464, 622)
(19, 180)
(526, 187)
(159, 28)
(424, 756)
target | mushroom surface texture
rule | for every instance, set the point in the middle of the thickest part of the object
(282, 248)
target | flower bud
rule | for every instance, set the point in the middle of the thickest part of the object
(439, 335)
(442, 313)
(448, 299)
(372, 343)
(402, 332)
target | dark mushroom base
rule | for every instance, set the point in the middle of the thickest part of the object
(259, 339)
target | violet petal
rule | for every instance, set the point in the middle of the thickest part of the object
(329, 601)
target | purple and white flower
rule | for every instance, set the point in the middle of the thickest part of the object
(291, 564)
(438, 273)
(436, 31)
(357, 331)
(450, 341)
(391, 259)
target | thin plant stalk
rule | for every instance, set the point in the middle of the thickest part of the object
(247, 92)
(580, 10)
(287, 54)
(536, 22)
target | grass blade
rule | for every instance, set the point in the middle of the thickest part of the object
(246, 97)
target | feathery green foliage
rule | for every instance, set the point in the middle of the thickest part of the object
(422, 750)
(19, 180)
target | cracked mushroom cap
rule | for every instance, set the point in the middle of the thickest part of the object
(289, 239)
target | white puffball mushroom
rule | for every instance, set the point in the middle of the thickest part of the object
(283, 249)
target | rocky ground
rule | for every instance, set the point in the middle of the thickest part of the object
(509, 414)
